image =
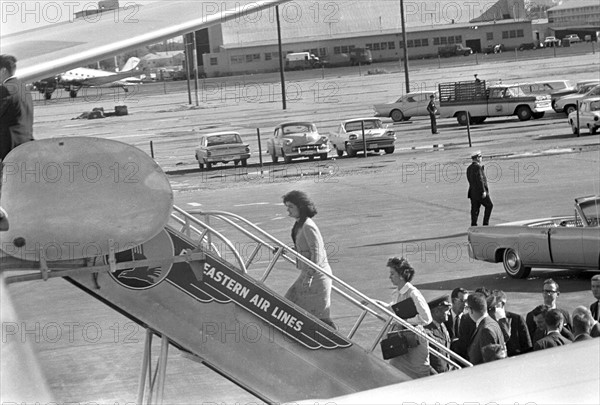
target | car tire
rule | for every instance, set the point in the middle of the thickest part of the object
(462, 118)
(323, 156)
(569, 109)
(397, 116)
(339, 152)
(592, 129)
(389, 150)
(574, 128)
(513, 265)
(350, 151)
(524, 113)
(244, 162)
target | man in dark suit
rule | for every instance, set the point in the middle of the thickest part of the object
(487, 330)
(554, 323)
(478, 193)
(458, 297)
(550, 294)
(595, 307)
(518, 340)
(16, 108)
(440, 307)
(582, 324)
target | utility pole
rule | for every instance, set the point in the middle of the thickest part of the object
(404, 47)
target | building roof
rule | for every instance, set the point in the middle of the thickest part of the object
(568, 4)
(162, 55)
(306, 19)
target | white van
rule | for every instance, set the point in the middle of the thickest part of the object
(301, 61)
(547, 87)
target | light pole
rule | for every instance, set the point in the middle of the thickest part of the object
(404, 47)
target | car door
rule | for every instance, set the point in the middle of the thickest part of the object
(277, 141)
(566, 246)
(498, 102)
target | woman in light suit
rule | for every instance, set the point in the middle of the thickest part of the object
(312, 289)
(415, 363)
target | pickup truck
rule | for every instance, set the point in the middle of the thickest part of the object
(454, 50)
(473, 101)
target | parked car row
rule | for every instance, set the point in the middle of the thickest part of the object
(294, 140)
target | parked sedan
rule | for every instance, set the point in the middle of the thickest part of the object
(349, 137)
(293, 140)
(407, 106)
(222, 147)
(565, 242)
(568, 104)
(589, 116)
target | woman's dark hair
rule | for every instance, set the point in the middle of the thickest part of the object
(402, 267)
(305, 206)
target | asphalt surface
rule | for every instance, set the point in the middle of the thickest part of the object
(412, 202)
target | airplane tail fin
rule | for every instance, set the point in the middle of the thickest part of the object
(131, 64)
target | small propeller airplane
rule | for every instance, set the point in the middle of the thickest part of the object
(75, 79)
(96, 205)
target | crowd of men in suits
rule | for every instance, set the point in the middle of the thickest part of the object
(477, 326)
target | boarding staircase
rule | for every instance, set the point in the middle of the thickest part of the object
(204, 286)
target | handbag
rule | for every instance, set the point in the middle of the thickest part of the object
(394, 345)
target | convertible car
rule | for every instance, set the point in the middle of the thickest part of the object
(569, 242)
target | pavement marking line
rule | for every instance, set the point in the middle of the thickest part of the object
(251, 204)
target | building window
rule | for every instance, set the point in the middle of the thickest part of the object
(322, 51)
(450, 40)
(417, 43)
(369, 46)
(344, 48)
(214, 61)
(376, 46)
(458, 39)
(383, 46)
(314, 51)
(401, 43)
(236, 59)
(252, 57)
(351, 47)
(504, 34)
(513, 34)
(520, 34)
(443, 40)
(337, 50)
(425, 42)
(409, 43)
(391, 45)
(489, 36)
(436, 41)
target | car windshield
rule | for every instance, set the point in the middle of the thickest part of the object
(356, 125)
(591, 211)
(298, 128)
(223, 139)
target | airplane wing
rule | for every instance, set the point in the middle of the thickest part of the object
(46, 51)
(100, 80)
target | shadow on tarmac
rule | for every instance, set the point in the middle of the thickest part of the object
(569, 281)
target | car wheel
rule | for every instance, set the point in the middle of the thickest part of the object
(340, 153)
(513, 265)
(574, 128)
(244, 162)
(524, 113)
(323, 156)
(397, 116)
(569, 109)
(593, 129)
(462, 118)
(389, 150)
(350, 151)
